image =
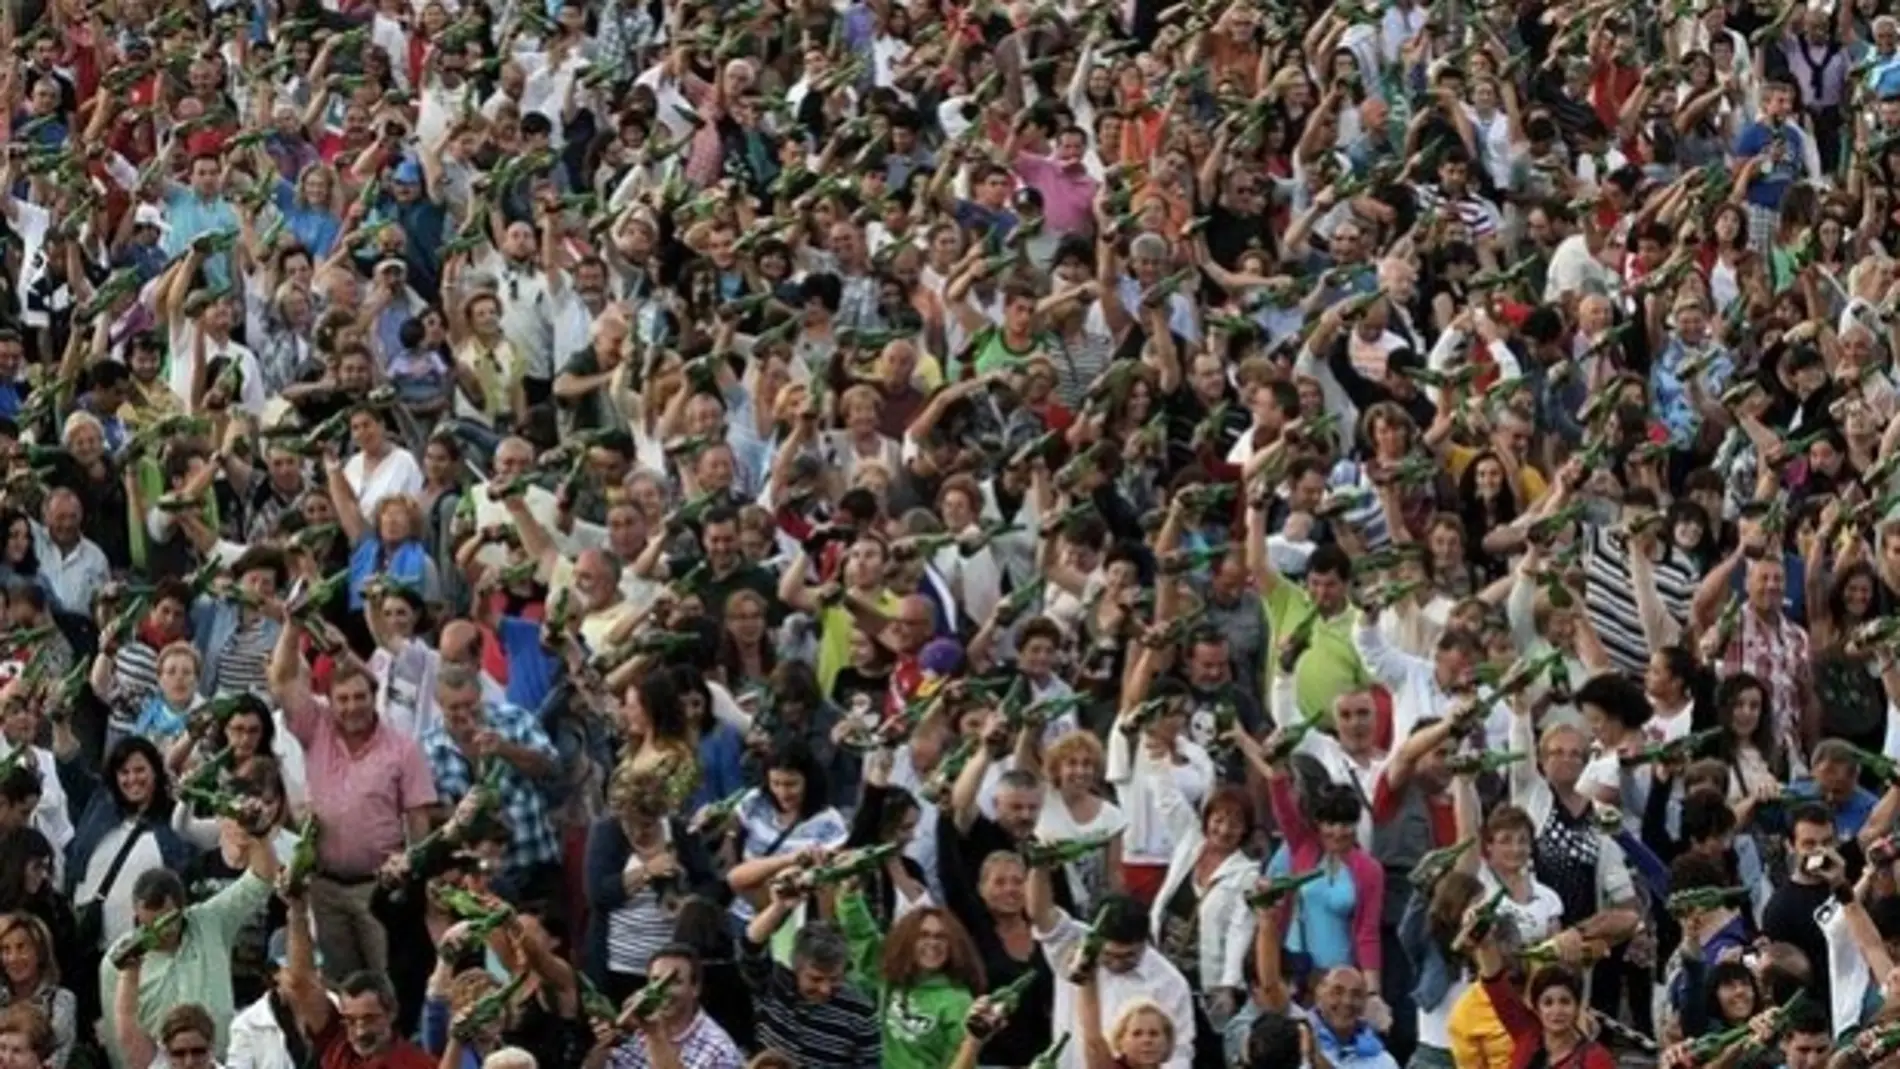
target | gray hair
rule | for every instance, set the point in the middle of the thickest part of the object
(457, 678)
(1150, 246)
(1020, 779)
(820, 946)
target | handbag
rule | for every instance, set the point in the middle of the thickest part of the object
(90, 916)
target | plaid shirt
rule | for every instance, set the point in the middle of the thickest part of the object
(1779, 656)
(704, 1045)
(532, 840)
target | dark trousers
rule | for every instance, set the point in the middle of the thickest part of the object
(1395, 987)
(1613, 979)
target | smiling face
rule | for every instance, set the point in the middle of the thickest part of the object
(136, 779)
(1002, 886)
(933, 943)
(20, 957)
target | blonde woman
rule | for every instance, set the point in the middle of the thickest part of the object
(29, 976)
(859, 409)
(1141, 1037)
(309, 209)
(105, 516)
(641, 865)
(1074, 808)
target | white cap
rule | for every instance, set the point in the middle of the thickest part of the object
(150, 215)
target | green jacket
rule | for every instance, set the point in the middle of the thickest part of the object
(922, 1025)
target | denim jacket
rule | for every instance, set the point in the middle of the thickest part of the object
(213, 624)
(1434, 974)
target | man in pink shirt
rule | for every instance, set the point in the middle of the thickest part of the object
(1068, 191)
(370, 789)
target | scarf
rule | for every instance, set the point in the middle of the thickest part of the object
(406, 563)
(1362, 1044)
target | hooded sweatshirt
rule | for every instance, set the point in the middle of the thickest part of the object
(922, 1024)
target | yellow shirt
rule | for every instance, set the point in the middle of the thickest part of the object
(835, 628)
(1530, 482)
(1330, 666)
(1478, 1038)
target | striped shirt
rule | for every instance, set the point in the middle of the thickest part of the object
(840, 1033)
(243, 662)
(1084, 357)
(1478, 214)
(134, 675)
(1612, 604)
(639, 927)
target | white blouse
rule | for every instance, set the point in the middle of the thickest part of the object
(118, 903)
(396, 473)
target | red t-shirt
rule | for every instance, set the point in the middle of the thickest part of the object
(1385, 806)
(334, 1052)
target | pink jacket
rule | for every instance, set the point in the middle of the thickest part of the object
(1368, 877)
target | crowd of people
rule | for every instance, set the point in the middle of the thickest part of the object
(841, 535)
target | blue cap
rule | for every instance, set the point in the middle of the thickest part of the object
(409, 172)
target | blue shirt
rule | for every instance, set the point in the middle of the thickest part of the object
(1849, 817)
(1322, 920)
(1773, 180)
(423, 224)
(315, 228)
(1671, 393)
(997, 224)
(192, 217)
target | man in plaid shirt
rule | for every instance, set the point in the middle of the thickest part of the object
(680, 1034)
(473, 739)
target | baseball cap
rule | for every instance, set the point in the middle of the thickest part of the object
(941, 657)
(149, 215)
(409, 172)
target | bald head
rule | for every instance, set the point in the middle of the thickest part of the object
(509, 1058)
(461, 642)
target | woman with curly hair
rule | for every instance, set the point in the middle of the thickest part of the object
(926, 974)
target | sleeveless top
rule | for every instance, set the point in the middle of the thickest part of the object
(1399, 844)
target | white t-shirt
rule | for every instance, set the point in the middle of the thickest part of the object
(1536, 920)
(184, 334)
(395, 474)
(1572, 267)
(30, 223)
(1088, 878)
